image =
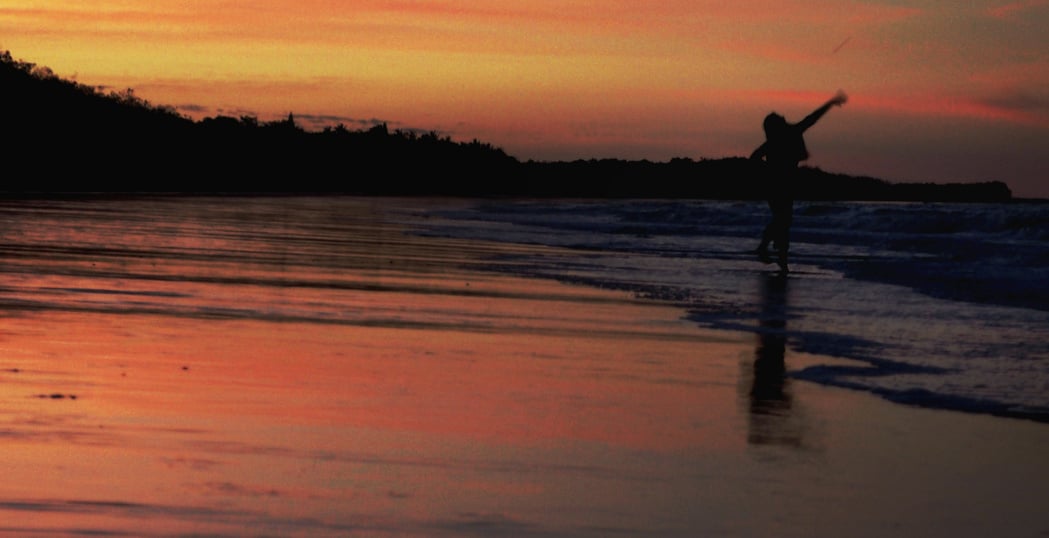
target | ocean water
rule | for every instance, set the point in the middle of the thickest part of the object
(938, 305)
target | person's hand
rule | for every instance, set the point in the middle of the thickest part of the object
(839, 99)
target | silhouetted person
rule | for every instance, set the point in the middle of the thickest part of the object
(783, 149)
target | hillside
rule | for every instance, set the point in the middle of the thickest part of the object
(72, 137)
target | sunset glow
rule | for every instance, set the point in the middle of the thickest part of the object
(543, 79)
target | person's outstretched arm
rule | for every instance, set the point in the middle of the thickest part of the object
(759, 153)
(811, 119)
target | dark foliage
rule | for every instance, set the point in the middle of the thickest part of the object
(68, 136)
(735, 178)
(64, 136)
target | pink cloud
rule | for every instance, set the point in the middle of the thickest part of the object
(1003, 108)
(1012, 9)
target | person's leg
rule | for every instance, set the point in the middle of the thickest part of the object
(784, 220)
(783, 217)
(768, 234)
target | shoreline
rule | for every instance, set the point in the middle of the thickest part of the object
(448, 401)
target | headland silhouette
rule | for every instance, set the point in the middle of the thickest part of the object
(71, 137)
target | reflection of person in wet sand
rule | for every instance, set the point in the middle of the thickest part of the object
(783, 149)
(771, 414)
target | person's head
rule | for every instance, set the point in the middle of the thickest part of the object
(774, 123)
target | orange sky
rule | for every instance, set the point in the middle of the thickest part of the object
(942, 90)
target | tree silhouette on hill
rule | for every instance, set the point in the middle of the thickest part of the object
(67, 136)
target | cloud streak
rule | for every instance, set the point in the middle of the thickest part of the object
(1015, 9)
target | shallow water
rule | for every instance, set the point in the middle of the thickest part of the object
(305, 367)
(946, 304)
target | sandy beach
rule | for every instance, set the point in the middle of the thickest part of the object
(374, 383)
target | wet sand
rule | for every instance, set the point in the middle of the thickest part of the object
(431, 399)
